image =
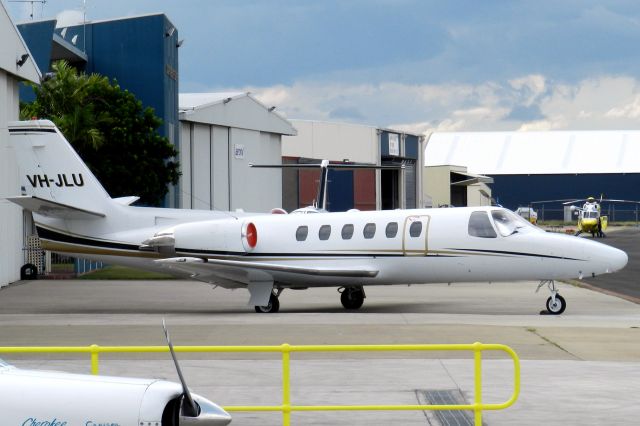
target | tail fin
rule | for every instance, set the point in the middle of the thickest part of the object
(52, 171)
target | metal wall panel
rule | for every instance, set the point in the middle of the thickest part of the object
(254, 190)
(332, 141)
(11, 228)
(185, 165)
(201, 167)
(340, 190)
(364, 189)
(220, 167)
(513, 191)
(410, 185)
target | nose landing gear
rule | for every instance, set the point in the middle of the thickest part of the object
(555, 303)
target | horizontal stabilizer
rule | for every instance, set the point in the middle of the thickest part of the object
(52, 209)
(183, 263)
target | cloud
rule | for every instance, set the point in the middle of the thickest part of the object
(68, 18)
(530, 102)
(631, 110)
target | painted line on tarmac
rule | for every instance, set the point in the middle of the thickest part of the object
(595, 288)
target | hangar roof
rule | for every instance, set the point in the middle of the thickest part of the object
(15, 57)
(232, 109)
(522, 153)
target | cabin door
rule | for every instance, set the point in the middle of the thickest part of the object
(414, 236)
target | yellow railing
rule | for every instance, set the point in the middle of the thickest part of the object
(285, 349)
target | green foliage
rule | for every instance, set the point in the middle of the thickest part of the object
(110, 130)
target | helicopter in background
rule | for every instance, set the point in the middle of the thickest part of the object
(590, 218)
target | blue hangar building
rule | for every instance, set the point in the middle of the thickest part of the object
(530, 167)
(140, 52)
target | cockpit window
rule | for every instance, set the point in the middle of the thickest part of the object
(590, 215)
(480, 225)
(504, 222)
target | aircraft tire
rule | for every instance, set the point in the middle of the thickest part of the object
(558, 307)
(352, 298)
(271, 308)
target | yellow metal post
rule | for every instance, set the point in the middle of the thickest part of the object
(95, 350)
(286, 384)
(477, 395)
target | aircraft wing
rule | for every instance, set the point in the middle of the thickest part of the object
(227, 268)
(52, 209)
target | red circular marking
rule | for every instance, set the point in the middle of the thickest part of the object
(252, 235)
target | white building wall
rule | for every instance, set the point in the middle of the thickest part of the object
(220, 167)
(185, 165)
(216, 173)
(11, 229)
(254, 190)
(323, 140)
(201, 167)
(545, 152)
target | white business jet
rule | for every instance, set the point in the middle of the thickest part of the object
(49, 398)
(267, 253)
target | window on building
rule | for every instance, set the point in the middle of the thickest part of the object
(347, 231)
(369, 230)
(480, 225)
(392, 229)
(302, 232)
(325, 232)
(415, 229)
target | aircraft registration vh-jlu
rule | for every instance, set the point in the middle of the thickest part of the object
(267, 253)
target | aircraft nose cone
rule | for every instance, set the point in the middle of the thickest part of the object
(617, 259)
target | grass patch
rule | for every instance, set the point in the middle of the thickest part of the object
(124, 273)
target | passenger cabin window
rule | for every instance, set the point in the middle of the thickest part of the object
(480, 225)
(392, 229)
(325, 232)
(347, 232)
(369, 230)
(415, 229)
(302, 232)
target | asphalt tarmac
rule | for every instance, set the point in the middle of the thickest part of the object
(624, 282)
(582, 367)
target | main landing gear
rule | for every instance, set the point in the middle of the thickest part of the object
(352, 297)
(273, 306)
(555, 303)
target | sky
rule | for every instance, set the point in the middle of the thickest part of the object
(416, 65)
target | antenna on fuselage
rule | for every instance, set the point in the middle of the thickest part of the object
(325, 165)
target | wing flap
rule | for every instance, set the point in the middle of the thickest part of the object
(183, 262)
(52, 209)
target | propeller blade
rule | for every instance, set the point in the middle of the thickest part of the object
(190, 409)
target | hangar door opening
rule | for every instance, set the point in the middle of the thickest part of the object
(389, 189)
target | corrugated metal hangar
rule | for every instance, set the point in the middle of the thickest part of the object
(534, 166)
(16, 64)
(347, 189)
(221, 133)
(140, 52)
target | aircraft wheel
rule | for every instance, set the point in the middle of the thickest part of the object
(352, 298)
(558, 307)
(272, 307)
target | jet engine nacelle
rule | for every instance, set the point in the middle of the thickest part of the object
(42, 398)
(217, 236)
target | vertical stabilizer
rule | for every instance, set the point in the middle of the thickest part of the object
(51, 170)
